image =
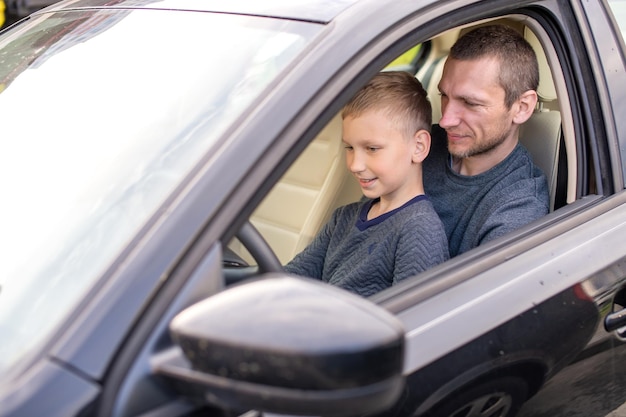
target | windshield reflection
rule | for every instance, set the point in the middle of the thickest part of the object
(104, 113)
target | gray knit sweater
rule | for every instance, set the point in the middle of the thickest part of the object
(366, 256)
(476, 209)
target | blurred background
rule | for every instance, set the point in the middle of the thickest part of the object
(13, 10)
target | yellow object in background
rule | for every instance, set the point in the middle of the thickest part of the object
(404, 59)
(2, 8)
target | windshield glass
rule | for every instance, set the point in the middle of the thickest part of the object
(103, 114)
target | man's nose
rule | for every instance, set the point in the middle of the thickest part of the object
(450, 115)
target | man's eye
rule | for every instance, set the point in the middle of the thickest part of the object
(348, 147)
(372, 149)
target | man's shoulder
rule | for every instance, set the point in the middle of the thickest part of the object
(522, 173)
(521, 157)
(517, 167)
(523, 185)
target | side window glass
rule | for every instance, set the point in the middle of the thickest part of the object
(318, 182)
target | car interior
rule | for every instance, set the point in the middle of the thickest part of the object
(318, 182)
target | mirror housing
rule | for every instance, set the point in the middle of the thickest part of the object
(290, 345)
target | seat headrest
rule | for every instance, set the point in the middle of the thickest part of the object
(546, 90)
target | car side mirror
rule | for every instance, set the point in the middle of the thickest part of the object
(290, 345)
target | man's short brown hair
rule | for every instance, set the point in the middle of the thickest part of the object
(519, 70)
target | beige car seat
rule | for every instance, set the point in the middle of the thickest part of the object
(430, 73)
(541, 134)
(305, 197)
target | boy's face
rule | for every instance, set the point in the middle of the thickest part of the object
(381, 158)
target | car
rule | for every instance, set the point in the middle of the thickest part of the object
(161, 160)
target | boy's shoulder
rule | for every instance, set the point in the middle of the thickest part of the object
(350, 211)
(419, 211)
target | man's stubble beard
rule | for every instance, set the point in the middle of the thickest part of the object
(481, 148)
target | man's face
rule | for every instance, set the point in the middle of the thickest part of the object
(473, 110)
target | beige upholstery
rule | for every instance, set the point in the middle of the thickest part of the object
(430, 74)
(303, 200)
(541, 134)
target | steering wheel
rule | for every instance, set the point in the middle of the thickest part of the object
(258, 247)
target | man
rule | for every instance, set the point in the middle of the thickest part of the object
(484, 184)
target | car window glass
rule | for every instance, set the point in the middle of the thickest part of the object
(318, 182)
(121, 124)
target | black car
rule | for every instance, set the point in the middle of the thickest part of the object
(161, 160)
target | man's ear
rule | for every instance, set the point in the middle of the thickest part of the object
(421, 139)
(525, 107)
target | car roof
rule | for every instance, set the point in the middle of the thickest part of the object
(321, 11)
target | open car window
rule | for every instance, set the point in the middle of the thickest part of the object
(318, 181)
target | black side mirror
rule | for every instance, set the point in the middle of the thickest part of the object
(290, 345)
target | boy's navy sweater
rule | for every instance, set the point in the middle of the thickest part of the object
(366, 256)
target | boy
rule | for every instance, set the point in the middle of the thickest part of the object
(393, 233)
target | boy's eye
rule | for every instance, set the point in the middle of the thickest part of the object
(372, 149)
(348, 147)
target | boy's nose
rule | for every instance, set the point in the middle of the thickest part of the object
(355, 162)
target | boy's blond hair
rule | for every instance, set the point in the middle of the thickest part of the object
(399, 95)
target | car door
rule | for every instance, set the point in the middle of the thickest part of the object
(497, 327)
(593, 384)
(526, 340)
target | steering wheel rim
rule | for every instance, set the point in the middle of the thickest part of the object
(258, 247)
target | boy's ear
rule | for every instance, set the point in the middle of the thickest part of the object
(421, 139)
(525, 107)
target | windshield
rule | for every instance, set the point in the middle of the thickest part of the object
(103, 114)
